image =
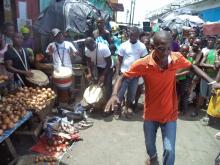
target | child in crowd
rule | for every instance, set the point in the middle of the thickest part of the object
(208, 65)
(183, 82)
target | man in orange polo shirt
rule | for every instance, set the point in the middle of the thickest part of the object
(160, 108)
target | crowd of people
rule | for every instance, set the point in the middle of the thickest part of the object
(171, 71)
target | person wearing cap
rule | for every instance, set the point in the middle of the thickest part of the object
(60, 50)
(28, 41)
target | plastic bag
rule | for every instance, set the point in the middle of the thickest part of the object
(77, 112)
(214, 105)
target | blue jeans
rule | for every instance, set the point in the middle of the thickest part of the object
(131, 86)
(205, 89)
(168, 135)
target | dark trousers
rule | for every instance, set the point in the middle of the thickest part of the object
(183, 93)
(107, 82)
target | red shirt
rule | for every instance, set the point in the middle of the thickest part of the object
(160, 86)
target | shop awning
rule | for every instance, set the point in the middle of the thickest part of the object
(117, 6)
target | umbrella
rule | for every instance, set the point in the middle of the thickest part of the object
(191, 18)
(184, 19)
(75, 15)
(174, 21)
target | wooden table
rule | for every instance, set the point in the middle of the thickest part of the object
(6, 136)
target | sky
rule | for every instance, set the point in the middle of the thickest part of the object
(141, 8)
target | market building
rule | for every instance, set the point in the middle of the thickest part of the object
(51, 92)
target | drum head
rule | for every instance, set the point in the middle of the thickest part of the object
(38, 78)
(62, 72)
(93, 94)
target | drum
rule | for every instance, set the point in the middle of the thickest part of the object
(93, 95)
(39, 78)
(63, 77)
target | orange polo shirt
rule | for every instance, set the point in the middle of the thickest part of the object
(160, 86)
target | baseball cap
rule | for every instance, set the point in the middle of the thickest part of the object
(55, 31)
(24, 30)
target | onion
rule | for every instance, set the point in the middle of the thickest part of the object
(4, 126)
(11, 125)
(6, 120)
(1, 132)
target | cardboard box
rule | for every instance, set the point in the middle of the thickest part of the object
(211, 29)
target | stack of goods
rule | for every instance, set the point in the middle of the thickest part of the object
(45, 160)
(30, 98)
(54, 146)
(13, 107)
(59, 134)
(3, 78)
(10, 113)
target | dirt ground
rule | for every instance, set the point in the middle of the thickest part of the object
(121, 142)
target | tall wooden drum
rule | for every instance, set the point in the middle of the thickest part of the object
(63, 79)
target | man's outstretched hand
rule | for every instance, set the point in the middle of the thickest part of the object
(112, 104)
(216, 86)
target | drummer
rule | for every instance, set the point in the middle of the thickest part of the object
(60, 50)
(17, 60)
(99, 56)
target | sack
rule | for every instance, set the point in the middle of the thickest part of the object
(55, 124)
(214, 105)
(77, 112)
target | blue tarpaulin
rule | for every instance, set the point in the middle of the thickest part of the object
(211, 15)
(8, 132)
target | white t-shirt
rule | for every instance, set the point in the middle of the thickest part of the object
(64, 53)
(102, 52)
(205, 51)
(130, 53)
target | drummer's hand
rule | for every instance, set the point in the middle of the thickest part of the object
(101, 80)
(28, 73)
(217, 64)
(112, 104)
(71, 52)
(89, 77)
(51, 50)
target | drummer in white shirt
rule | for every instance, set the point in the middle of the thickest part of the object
(99, 64)
(60, 50)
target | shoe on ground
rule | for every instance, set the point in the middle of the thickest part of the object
(217, 136)
(194, 114)
(129, 113)
(117, 114)
(153, 161)
(182, 113)
(106, 114)
(205, 121)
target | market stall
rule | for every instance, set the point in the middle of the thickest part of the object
(5, 135)
(20, 107)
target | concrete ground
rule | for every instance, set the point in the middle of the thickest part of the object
(121, 142)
